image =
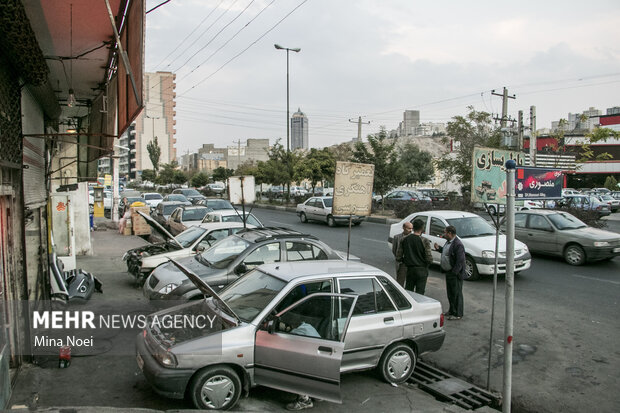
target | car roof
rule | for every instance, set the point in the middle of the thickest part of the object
(193, 206)
(289, 271)
(449, 214)
(220, 225)
(539, 211)
(226, 212)
(165, 203)
(266, 233)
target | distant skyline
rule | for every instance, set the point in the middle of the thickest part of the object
(376, 59)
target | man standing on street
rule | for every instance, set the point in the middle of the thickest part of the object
(453, 265)
(417, 257)
(401, 268)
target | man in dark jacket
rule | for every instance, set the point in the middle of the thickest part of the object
(453, 265)
(397, 250)
(417, 257)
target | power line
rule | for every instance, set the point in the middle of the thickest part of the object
(158, 6)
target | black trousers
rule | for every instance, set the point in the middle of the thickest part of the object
(454, 289)
(416, 279)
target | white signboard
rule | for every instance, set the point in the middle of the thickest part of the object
(235, 183)
(353, 188)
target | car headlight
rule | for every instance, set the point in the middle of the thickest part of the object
(165, 358)
(168, 288)
(601, 244)
(488, 254)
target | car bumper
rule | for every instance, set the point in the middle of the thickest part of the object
(486, 266)
(167, 382)
(344, 219)
(430, 342)
(601, 253)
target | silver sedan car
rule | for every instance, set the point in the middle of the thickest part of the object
(291, 326)
(319, 208)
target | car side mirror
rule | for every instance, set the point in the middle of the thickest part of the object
(270, 325)
(241, 269)
(200, 249)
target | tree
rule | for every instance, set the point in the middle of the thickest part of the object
(474, 129)
(381, 153)
(222, 174)
(280, 168)
(341, 152)
(597, 135)
(179, 177)
(154, 151)
(611, 183)
(416, 165)
(200, 179)
(149, 175)
(166, 176)
(316, 166)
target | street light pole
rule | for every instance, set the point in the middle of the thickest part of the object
(288, 119)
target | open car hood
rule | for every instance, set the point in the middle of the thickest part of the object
(205, 289)
(160, 230)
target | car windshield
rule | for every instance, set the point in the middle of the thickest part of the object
(433, 192)
(189, 236)
(251, 219)
(216, 204)
(470, 227)
(328, 202)
(153, 196)
(222, 253)
(190, 192)
(563, 220)
(176, 197)
(249, 295)
(195, 214)
(606, 197)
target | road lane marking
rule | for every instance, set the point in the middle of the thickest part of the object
(596, 279)
(375, 240)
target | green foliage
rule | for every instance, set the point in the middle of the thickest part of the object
(611, 183)
(247, 168)
(381, 153)
(416, 165)
(316, 166)
(222, 174)
(597, 135)
(166, 175)
(341, 152)
(200, 179)
(149, 175)
(280, 168)
(179, 177)
(154, 151)
(474, 129)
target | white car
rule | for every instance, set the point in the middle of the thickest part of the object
(142, 260)
(528, 204)
(298, 191)
(230, 215)
(152, 199)
(477, 235)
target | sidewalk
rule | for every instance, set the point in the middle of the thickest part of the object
(107, 379)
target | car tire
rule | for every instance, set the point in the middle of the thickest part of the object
(330, 221)
(303, 218)
(574, 255)
(397, 363)
(471, 269)
(219, 381)
(357, 223)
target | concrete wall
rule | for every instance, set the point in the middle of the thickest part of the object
(81, 228)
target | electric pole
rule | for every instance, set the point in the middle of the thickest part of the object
(533, 144)
(359, 127)
(520, 131)
(505, 98)
(238, 142)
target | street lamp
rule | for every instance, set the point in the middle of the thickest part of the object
(288, 128)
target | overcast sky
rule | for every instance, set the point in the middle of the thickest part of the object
(376, 59)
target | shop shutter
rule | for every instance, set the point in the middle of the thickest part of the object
(35, 192)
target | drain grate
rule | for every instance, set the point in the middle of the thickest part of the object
(457, 391)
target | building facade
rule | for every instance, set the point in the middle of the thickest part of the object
(299, 131)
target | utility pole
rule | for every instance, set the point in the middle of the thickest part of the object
(238, 142)
(520, 131)
(505, 98)
(359, 127)
(533, 144)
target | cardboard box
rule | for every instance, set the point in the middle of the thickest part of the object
(139, 224)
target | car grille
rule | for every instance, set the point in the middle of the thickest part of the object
(153, 281)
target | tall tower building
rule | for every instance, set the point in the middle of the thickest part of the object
(411, 122)
(156, 120)
(299, 130)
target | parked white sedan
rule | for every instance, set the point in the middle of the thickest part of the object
(477, 235)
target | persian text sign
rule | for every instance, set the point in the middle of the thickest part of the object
(488, 181)
(539, 183)
(353, 188)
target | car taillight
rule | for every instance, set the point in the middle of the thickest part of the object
(441, 320)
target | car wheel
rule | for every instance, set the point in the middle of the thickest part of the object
(357, 223)
(303, 218)
(330, 221)
(574, 255)
(215, 388)
(471, 269)
(397, 363)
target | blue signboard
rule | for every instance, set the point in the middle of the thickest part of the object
(538, 183)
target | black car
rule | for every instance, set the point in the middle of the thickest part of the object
(437, 196)
(191, 194)
(232, 257)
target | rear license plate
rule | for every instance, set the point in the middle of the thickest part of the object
(617, 249)
(140, 361)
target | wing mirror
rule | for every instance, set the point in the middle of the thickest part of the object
(241, 269)
(200, 249)
(270, 325)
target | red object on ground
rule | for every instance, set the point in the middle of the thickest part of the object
(64, 357)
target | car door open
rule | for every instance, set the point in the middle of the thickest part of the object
(300, 349)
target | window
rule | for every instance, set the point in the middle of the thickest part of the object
(301, 251)
(371, 297)
(423, 218)
(437, 227)
(538, 222)
(264, 254)
(401, 302)
(302, 290)
(520, 220)
(212, 238)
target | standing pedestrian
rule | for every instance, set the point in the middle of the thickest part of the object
(417, 257)
(453, 265)
(401, 268)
